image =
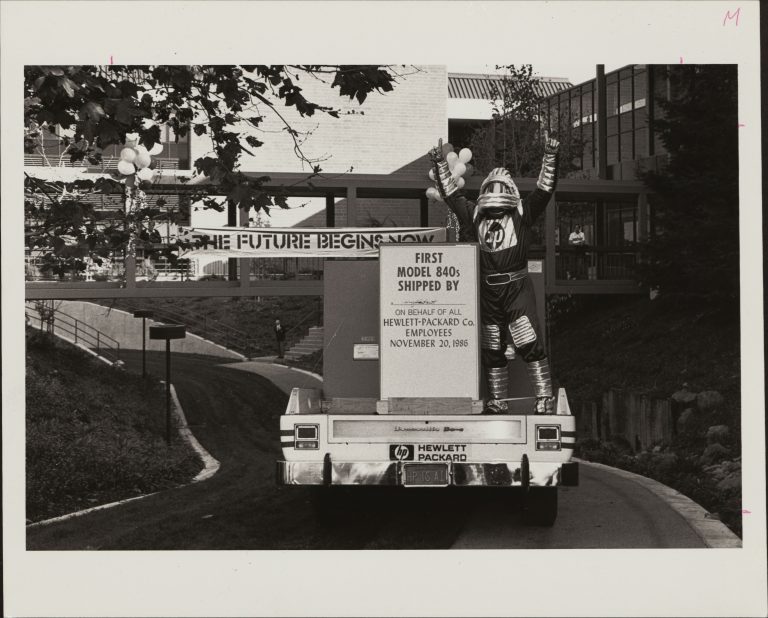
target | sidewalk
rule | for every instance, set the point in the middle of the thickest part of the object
(285, 378)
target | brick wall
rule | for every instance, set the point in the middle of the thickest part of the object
(387, 133)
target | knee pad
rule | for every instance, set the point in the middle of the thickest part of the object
(522, 332)
(490, 338)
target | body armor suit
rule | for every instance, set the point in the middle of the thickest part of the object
(501, 223)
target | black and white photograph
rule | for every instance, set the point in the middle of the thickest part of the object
(310, 327)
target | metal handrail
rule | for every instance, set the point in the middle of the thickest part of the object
(81, 332)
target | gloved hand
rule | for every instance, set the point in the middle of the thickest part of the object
(551, 145)
(436, 154)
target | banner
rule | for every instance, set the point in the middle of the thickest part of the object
(260, 242)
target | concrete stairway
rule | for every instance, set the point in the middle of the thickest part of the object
(312, 342)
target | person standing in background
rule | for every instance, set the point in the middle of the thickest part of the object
(577, 237)
(279, 337)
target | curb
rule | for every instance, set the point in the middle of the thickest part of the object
(712, 531)
(309, 373)
(211, 466)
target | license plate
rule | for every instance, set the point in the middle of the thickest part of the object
(425, 474)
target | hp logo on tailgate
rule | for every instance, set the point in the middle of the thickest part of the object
(401, 452)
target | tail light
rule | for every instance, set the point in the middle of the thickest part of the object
(307, 436)
(547, 437)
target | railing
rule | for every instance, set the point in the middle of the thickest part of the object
(213, 330)
(595, 263)
(79, 332)
(107, 163)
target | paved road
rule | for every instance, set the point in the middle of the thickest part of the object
(604, 511)
(233, 411)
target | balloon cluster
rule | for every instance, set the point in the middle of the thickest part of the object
(459, 165)
(136, 159)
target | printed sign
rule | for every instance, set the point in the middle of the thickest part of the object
(243, 242)
(429, 343)
(428, 452)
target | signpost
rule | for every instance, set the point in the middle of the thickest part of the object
(167, 332)
(143, 314)
(429, 342)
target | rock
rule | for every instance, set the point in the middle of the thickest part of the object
(708, 400)
(686, 422)
(684, 396)
(718, 433)
(713, 453)
(731, 482)
(717, 473)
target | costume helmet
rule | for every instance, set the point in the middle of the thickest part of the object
(498, 194)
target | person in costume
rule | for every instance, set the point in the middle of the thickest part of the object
(501, 223)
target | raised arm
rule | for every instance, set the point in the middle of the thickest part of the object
(451, 194)
(545, 186)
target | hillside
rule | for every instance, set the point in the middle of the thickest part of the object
(253, 316)
(666, 349)
(649, 347)
(94, 433)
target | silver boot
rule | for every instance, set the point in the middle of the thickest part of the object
(538, 372)
(497, 379)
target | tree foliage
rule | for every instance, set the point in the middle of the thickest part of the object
(694, 250)
(514, 137)
(90, 108)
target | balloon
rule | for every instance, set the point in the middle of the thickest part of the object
(131, 139)
(432, 174)
(433, 193)
(156, 149)
(145, 185)
(470, 170)
(459, 183)
(142, 160)
(128, 154)
(125, 168)
(145, 174)
(459, 169)
(447, 148)
(465, 155)
(140, 148)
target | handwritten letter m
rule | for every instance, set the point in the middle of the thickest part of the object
(734, 16)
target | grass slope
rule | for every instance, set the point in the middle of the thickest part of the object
(648, 347)
(94, 433)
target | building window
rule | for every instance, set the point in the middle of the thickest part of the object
(621, 224)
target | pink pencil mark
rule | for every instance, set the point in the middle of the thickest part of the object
(681, 60)
(111, 61)
(746, 512)
(741, 125)
(735, 16)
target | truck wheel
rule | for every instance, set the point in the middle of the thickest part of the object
(540, 506)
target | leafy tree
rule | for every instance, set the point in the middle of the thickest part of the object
(513, 138)
(90, 108)
(694, 250)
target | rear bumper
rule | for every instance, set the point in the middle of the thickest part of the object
(507, 474)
